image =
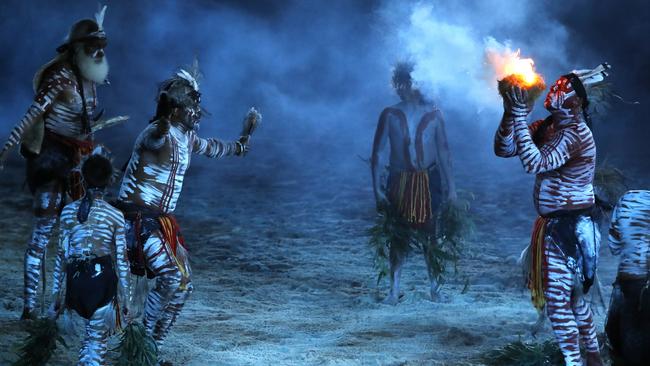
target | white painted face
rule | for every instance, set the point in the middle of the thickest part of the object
(193, 109)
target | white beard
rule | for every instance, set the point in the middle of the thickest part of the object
(91, 69)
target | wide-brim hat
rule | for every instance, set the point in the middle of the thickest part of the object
(85, 30)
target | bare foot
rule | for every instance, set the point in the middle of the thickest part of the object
(437, 296)
(392, 299)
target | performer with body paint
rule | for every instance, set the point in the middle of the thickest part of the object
(628, 321)
(151, 187)
(91, 274)
(419, 169)
(56, 133)
(561, 152)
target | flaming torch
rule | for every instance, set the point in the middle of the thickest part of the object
(512, 70)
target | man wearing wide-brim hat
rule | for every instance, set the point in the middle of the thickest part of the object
(56, 133)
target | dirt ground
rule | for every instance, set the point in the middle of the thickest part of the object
(283, 274)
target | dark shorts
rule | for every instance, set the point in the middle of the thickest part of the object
(87, 288)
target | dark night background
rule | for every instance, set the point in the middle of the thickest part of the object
(278, 239)
(319, 71)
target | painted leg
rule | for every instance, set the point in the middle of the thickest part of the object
(434, 285)
(168, 279)
(48, 201)
(34, 256)
(559, 305)
(94, 346)
(170, 313)
(587, 330)
(397, 257)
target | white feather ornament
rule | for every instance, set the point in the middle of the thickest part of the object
(99, 17)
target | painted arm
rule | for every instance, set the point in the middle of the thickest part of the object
(551, 155)
(122, 264)
(41, 104)
(504, 142)
(379, 143)
(444, 159)
(214, 148)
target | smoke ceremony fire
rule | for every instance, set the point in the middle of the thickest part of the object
(508, 63)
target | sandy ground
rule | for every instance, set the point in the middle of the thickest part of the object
(283, 275)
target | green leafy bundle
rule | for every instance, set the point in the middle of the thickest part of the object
(391, 230)
(40, 343)
(137, 348)
(525, 354)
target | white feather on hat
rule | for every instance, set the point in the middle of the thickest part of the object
(99, 17)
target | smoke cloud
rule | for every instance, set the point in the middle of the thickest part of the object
(320, 71)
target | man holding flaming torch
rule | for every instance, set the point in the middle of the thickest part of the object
(561, 152)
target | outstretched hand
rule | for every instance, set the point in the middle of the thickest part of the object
(254, 116)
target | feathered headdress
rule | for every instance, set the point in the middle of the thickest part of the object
(175, 87)
(192, 75)
(182, 89)
(590, 86)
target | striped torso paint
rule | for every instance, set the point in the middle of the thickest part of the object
(154, 175)
(563, 157)
(58, 100)
(65, 116)
(629, 233)
(101, 234)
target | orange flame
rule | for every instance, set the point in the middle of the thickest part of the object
(508, 63)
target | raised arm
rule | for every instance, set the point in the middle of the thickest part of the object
(379, 143)
(444, 158)
(41, 104)
(214, 148)
(504, 142)
(551, 155)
